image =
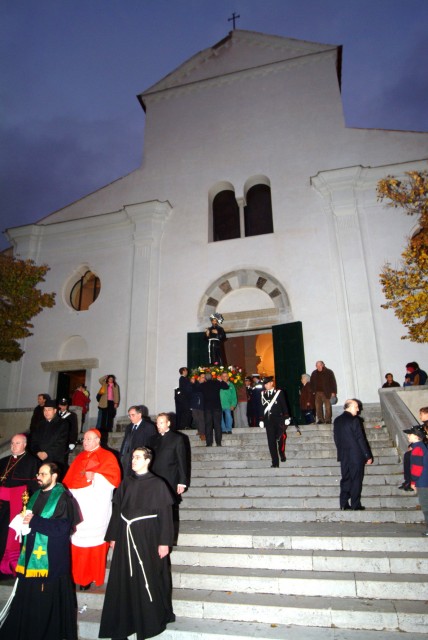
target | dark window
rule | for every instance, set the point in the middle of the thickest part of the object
(225, 216)
(258, 211)
(85, 291)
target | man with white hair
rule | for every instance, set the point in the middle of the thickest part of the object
(92, 478)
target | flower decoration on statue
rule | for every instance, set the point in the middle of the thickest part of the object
(236, 374)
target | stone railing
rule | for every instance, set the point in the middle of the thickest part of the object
(400, 410)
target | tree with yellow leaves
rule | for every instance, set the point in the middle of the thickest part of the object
(20, 301)
(406, 288)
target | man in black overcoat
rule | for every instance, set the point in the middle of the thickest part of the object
(353, 453)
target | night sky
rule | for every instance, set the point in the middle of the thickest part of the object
(71, 70)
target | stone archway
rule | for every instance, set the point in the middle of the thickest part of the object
(247, 299)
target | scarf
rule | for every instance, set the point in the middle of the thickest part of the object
(38, 563)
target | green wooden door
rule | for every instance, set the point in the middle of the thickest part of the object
(197, 350)
(289, 357)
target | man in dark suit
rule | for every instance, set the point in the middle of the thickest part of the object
(170, 462)
(353, 453)
(137, 434)
(275, 412)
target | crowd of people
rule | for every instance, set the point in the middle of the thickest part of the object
(59, 517)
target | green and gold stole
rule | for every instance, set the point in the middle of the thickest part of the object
(38, 563)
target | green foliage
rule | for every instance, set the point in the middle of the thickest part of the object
(406, 288)
(20, 301)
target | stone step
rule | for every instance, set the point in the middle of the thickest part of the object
(414, 564)
(275, 609)
(282, 490)
(373, 435)
(279, 479)
(380, 465)
(250, 580)
(343, 613)
(353, 536)
(211, 629)
(284, 502)
(251, 515)
(249, 453)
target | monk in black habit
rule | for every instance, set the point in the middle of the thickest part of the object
(138, 596)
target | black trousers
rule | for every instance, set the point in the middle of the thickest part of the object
(351, 483)
(275, 431)
(212, 422)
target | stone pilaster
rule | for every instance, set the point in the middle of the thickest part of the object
(149, 220)
(340, 192)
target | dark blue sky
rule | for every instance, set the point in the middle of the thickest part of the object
(70, 71)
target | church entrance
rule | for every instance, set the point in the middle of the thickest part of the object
(68, 381)
(252, 351)
(278, 351)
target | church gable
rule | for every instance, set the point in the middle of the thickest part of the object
(239, 51)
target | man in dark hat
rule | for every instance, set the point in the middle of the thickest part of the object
(275, 413)
(49, 441)
(419, 467)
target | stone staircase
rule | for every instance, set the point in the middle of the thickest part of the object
(266, 553)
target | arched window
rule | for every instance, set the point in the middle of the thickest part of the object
(225, 216)
(85, 291)
(258, 211)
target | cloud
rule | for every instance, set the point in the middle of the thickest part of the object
(45, 166)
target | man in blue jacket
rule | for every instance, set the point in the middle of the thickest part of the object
(353, 453)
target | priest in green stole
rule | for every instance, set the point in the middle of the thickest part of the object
(43, 606)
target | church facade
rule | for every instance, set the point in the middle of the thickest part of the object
(253, 200)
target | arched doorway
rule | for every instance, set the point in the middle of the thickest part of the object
(260, 327)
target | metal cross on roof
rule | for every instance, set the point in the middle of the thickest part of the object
(233, 19)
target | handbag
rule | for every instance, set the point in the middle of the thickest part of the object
(100, 393)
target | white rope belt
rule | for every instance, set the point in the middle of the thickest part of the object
(129, 539)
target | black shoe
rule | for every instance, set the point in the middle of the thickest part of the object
(283, 459)
(320, 422)
(218, 445)
(274, 466)
(404, 486)
(345, 507)
(85, 587)
(360, 508)
(408, 488)
(208, 445)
